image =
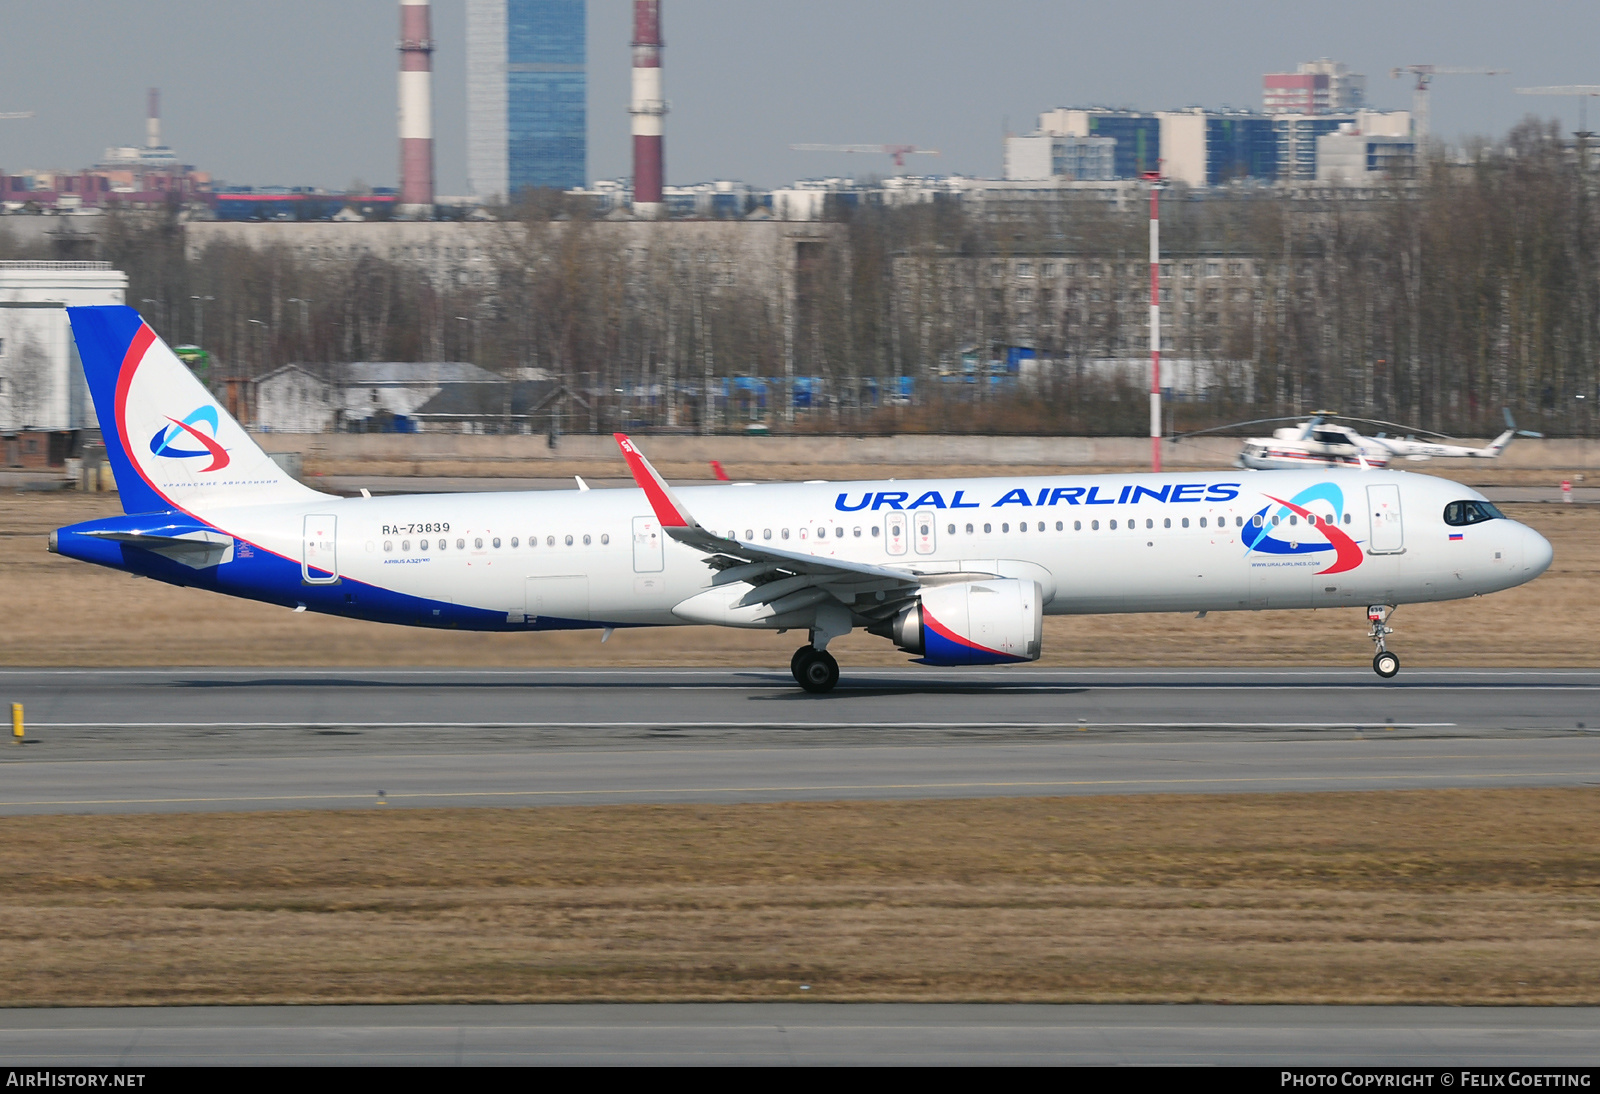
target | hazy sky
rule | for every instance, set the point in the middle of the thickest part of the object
(302, 92)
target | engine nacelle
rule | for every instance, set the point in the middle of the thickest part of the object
(997, 622)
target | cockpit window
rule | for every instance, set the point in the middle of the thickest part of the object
(1458, 513)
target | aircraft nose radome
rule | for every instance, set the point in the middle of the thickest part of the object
(1536, 552)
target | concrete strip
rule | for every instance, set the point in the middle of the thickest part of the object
(130, 1038)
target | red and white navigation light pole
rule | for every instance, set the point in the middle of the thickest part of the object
(1154, 179)
(416, 111)
(647, 109)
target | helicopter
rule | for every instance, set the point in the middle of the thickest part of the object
(1321, 441)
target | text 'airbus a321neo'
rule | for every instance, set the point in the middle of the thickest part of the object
(953, 571)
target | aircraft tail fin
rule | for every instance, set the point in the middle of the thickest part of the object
(1497, 446)
(170, 443)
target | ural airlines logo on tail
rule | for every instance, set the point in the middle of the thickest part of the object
(161, 443)
(1267, 534)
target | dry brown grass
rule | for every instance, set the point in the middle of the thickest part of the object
(1450, 896)
(63, 612)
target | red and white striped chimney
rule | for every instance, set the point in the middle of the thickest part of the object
(416, 111)
(152, 118)
(648, 109)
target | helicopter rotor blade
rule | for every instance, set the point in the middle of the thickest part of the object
(1232, 425)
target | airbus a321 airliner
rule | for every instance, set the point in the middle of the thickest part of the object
(953, 571)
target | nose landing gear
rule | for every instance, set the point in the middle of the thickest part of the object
(814, 669)
(1384, 663)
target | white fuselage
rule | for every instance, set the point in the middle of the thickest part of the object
(1105, 543)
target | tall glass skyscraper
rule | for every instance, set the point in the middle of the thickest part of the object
(527, 92)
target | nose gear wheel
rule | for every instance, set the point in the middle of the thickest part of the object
(1384, 663)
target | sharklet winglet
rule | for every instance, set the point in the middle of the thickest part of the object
(669, 511)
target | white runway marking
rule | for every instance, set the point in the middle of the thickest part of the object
(876, 724)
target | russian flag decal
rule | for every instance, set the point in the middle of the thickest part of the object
(1455, 535)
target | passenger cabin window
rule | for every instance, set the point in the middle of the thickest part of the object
(1459, 513)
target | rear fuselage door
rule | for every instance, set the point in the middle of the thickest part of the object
(319, 560)
(1388, 532)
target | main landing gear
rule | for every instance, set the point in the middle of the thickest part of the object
(1384, 663)
(814, 669)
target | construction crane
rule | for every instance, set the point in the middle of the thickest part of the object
(898, 151)
(1585, 92)
(1419, 94)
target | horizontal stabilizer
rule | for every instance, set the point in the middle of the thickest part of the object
(198, 550)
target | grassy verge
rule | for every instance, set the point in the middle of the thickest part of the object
(1413, 896)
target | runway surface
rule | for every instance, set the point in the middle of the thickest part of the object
(220, 739)
(799, 1033)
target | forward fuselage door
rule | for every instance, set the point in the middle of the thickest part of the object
(1388, 532)
(319, 559)
(647, 546)
(925, 532)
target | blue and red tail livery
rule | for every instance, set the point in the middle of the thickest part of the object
(171, 444)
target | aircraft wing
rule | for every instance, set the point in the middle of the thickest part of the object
(780, 578)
